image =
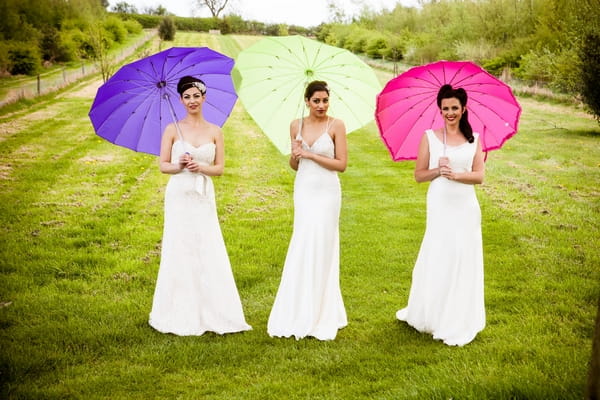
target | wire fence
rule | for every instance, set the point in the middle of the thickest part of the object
(49, 82)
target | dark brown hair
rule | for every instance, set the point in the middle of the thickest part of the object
(315, 86)
(447, 92)
(188, 82)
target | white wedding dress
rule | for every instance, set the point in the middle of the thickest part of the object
(309, 300)
(195, 290)
(446, 296)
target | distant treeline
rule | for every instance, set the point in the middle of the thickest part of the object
(227, 24)
(536, 40)
(555, 43)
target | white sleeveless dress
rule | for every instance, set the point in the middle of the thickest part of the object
(195, 290)
(309, 300)
(446, 296)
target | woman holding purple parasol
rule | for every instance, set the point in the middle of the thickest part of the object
(446, 296)
(195, 290)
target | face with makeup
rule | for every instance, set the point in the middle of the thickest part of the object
(318, 103)
(192, 99)
(451, 110)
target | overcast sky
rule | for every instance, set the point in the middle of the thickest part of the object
(305, 13)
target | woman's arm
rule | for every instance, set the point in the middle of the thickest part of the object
(422, 171)
(166, 145)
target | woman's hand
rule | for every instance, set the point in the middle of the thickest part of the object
(447, 172)
(184, 159)
(297, 150)
(194, 166)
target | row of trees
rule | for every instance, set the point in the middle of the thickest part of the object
(550, 42)
(37, 33)
(539, 40)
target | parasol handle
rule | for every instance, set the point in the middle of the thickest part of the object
(166, 97)
(308, 73)
(444, 153)
(201, 180)
(299, 134)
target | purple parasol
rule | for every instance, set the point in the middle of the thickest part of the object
(135, 105)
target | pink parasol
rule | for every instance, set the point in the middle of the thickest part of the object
(407, 106)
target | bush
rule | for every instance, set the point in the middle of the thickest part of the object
(24, 59)
(357, 40)
(166, 29)
(496, 65)
(196, 24)
(536, 65)
(59, 46)
(424, 49)
(132, 26)
(147, 21)
(476, 51)
(68, 47)
(4, 60)
(566, 76)
(95, 41)
(375, 46)
(272, 29)
(115, 28)
(394, 49)
(589, 55)
(337, 35)
(235, 23)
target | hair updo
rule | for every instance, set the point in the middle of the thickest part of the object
(315, 86)
(447, 92)
(189, 82)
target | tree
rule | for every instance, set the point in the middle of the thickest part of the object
(124, 8)
(25, 60)
(166, 29)
(336, 13)
(100, 43)
(215, 6)
(590, 73)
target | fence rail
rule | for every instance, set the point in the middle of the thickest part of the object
(52, 81)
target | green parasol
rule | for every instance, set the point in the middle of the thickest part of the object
(270, 77)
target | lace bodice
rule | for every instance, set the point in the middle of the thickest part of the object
(204, 153)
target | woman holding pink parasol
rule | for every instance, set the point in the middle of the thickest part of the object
(195, 290)
(446, 296)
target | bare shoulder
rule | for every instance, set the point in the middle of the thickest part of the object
(170, 131)
(215, 131)
(295, 123)
(337, 126)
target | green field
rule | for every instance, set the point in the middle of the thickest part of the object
(81, 225)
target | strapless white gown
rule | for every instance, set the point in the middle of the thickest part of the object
(195, 290)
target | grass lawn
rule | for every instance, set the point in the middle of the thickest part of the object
(80, 232)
